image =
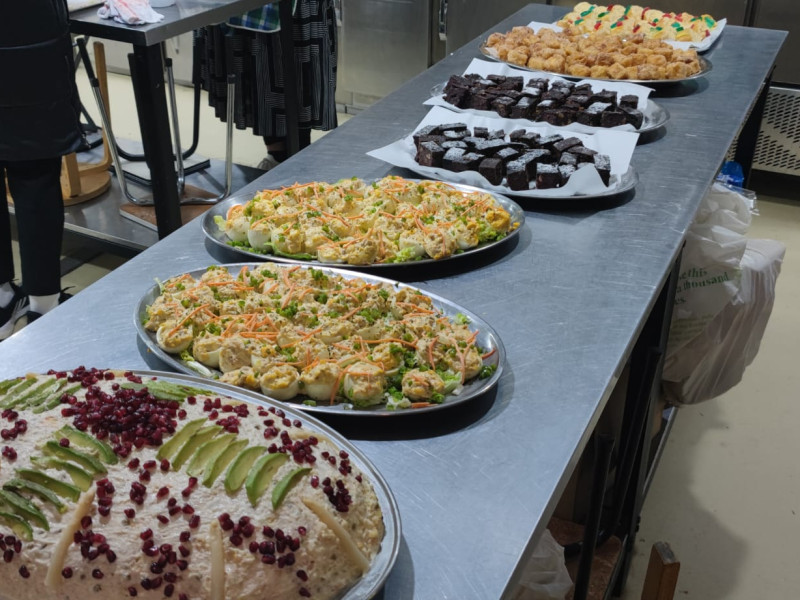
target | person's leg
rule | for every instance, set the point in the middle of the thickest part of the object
(36, 188)
(13, 301)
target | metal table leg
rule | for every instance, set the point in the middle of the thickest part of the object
(289, 78)
(748, 136)
(147, 73)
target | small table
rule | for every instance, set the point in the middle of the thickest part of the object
(147, 74)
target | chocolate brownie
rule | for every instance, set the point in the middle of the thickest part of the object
(547, 176)
(517, 176)
(430, 154)
(603, 165)
(492, 169)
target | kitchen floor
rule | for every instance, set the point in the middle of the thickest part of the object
(726, 495)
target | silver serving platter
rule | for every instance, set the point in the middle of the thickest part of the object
(487, 338)
(372, 581)
(654, 114)
(217, 236)
(705, 68)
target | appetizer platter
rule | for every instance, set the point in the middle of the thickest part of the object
(600, 56)
(489, 88)
(595, 166)
(682, 29)
(325, 340)
(119, 484)
(385, 223)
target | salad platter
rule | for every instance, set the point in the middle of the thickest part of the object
(93, 501)
(427, 212)
(324, 340)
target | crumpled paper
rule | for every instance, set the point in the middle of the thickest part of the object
(129, 12)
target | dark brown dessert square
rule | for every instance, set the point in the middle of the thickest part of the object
(603, 165)
(566, 172)
(591, 115)
(427, 130)
(507, 154)
(430, 154)
(502, 106)
(583, 154)
(480, 132)
(565, 144)
(454, 144)
(557, 116)
(633, 116)
(480, 101)
(613, 118)
(492, 169)
(517, 176)
(511, 83)
(524, 108)
(629, 101)
(459, 97)
(567, 158)
(451, 156)
(547, 176)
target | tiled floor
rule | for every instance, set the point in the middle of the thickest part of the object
(727, 493)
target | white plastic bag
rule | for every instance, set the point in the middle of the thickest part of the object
(545, 576)
(129, 12)
(724, 298)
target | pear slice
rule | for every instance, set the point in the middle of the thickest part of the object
(18, 525)
(198, 439)
(207, 453)
(63, 489)
(223, 459)
(87, 440)
(284, 485)
(260, 476)
(79, 477)
(237, 472)
(37, 490)
(171, 446)
(24, 508)
(87, 461)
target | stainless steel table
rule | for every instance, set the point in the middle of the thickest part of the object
(147, 73)
(570, 299)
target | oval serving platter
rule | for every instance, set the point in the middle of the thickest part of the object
(654, 114)
(218, 237)
(705, 68)
(487, 339)
(372, 581)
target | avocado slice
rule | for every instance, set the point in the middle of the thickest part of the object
(284, 485)
(207, 452)
(87, 461)
(237, 472)
(24, 508)
(39, 391)
(198, 439)
(8, 384)
(63, 489)
(45, 392)
(179, 438)
(15, 392)
(18, 525)
(37, 490)
(260, 476)
(223, 459)
(87, 440)
(79, 477)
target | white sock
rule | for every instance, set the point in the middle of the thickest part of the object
(6, 294)
(43, 304)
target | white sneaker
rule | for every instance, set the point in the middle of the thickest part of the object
(10, 314)
(267, 163)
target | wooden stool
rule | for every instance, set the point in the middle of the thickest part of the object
(83, 181)
(662, 573)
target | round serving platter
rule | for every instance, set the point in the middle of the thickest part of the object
(487, 339)
(218, 237)
(705, 68)
(654, 114)
(372, 581)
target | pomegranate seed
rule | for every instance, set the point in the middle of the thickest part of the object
(162, 492)
(23, 570)
(150, 551)
(268, 531)
(304, 593)
(66, 572)
(104, 510)
(86, 522)
(268, 559)
(8, 555)
(253, 547)
(236, 539)
(182, 564)
(183, 597)
(165, 548)
(97, 574)
(185, 536)
(302, 530)
(184, 551)
(63, 442)
(164, 464)
(170, 577)
(172, 502)
(194, 522)
(146, 534)
(168, 590)
(187, 509)
(130, 513)
(163, 519)
(174, 510)
(156, 568)
(111, 556)
(302, 575)
(133, 463)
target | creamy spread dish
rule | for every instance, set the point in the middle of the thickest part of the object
(313, 335)
(352, 222)
(115, 486)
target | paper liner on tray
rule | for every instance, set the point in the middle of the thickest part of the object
(618, 145)
(485, 68)
(700, 46)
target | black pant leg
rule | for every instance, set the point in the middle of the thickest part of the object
(35, 186)
(6, 258)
